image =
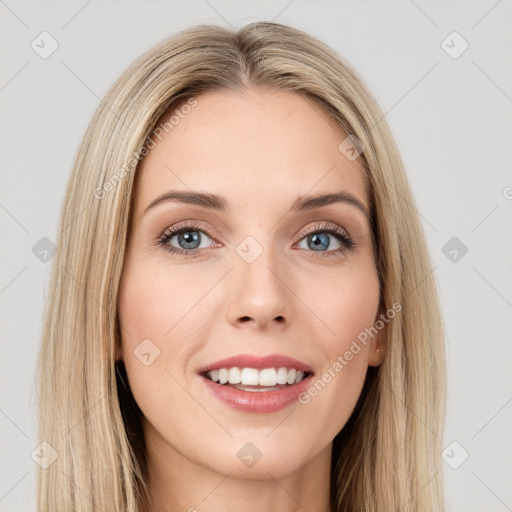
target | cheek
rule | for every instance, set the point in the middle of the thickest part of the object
(347, 306)
(161, 303)
(163, 322)
(347, 303)
(148, 310)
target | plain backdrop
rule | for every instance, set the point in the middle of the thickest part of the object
(448, 106)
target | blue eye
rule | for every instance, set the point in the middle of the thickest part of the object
(187, 237)
(320, 241)
(190, 237)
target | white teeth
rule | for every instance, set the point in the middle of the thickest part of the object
(223, 375)
(267, 377)
(282, 375)
(234, 375)
(249, 377)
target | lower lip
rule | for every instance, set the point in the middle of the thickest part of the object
(257, 401)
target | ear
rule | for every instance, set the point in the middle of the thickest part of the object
(378, 344)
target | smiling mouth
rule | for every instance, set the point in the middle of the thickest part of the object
(256, 380)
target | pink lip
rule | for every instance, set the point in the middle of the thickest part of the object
(257, 401)
(258, 362)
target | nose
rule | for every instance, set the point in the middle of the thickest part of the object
(259, 295)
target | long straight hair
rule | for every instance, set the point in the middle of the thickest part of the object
(387, 457)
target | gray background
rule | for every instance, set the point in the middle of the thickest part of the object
(452, 121)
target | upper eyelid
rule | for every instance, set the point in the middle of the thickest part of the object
(323, 225)
(197, 226)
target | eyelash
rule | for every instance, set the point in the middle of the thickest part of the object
(343, 237)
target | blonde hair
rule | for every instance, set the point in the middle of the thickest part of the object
(387, 457)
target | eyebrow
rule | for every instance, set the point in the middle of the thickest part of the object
(215, 202)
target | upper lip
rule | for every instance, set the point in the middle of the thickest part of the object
(258, 362)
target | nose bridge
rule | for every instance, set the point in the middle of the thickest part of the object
(258, 283)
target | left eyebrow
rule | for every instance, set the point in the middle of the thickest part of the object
(308, 203)
(215, 202)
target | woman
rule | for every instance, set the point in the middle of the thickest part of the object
(242, 314)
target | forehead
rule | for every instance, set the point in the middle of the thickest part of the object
(253, 147)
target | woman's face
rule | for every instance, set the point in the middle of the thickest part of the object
(259, 274)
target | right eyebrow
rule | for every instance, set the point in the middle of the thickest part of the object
(211, 201)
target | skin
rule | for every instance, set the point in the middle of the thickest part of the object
(260, 150)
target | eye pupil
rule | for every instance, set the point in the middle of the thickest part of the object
(319, 241)
(189, 237)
